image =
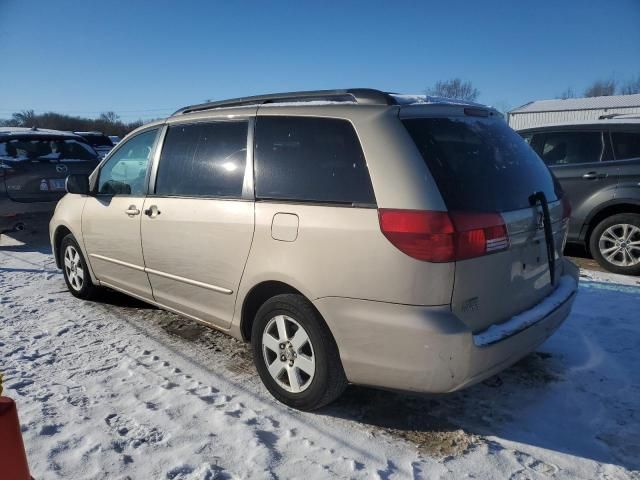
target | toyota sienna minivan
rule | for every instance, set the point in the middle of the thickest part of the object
(352, 236)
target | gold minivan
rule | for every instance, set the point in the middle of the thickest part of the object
(352, 236)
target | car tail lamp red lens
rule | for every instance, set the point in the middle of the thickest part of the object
(444, 236)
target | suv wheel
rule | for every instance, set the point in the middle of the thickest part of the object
(74, 267)
(295, 354)
(615, 243)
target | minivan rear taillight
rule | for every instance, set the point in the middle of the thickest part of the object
(444, 236)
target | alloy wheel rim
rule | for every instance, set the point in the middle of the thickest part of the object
(620, 245)
(288, 354)
(73, 268)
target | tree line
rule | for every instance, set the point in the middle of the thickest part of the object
(108, 123)
(464, 90)
(456, 88)
(605, 88)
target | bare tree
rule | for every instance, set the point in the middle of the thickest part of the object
(25, 118)
(108, 122)
(631, 87)
(568, 93)
(601, 88)
(109, 117)
(455, 88)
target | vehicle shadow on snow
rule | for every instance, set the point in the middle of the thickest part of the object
(446, 425)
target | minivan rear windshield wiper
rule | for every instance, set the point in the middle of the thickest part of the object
(541, 198)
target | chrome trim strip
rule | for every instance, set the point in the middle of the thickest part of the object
(196, 283)
(248, 183)
(153, 173)
(117, 262)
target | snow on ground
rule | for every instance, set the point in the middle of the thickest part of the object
(117, 389)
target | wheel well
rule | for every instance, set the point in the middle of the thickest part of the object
(61, 232)
(254, 300)
(607, 212)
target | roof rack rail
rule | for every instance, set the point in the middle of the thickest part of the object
(609, 116)
(359, 95)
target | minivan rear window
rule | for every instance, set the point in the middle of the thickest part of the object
(480, 164)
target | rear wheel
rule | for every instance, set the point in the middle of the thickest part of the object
(295, 354)
(76, 272)
(615, 243)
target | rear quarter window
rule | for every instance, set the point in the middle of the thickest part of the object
(566, 148)
(310, 160)
(626, 144)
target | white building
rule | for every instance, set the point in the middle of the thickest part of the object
(544, 112)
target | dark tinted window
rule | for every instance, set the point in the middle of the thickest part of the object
(480, 165)
(46, 149)
(626, 145)
(203, 159)
(98, 140)
(563, 148)
(310, 159)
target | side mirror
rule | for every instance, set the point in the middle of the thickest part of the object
(77, 183)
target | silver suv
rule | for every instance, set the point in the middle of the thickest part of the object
(352, 236)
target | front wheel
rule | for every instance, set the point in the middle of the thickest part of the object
(615, 243)
(75, 270)
(295, 353)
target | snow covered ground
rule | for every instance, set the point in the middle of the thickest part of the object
(117, 389)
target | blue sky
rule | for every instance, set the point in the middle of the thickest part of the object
(147, 58)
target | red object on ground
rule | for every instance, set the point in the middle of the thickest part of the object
(13, 458)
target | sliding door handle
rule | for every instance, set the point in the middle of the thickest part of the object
(152, 211)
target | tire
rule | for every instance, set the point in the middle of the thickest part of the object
(75, 270)
(307, 342)
(615, 243)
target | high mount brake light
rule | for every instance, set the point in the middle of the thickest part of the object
(434, 236)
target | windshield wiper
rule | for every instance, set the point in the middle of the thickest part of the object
(541, 198)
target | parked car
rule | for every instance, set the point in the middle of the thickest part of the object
(114, 139)
(34, 164)
(99, 141)
(598, 165)
(352, 236)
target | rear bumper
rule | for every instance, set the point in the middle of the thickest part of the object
(14, 213)
(428, 349)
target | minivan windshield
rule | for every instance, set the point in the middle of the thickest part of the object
(43, 149)
(481, 164)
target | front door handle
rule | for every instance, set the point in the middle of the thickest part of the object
(594, 175)
(132, 210)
